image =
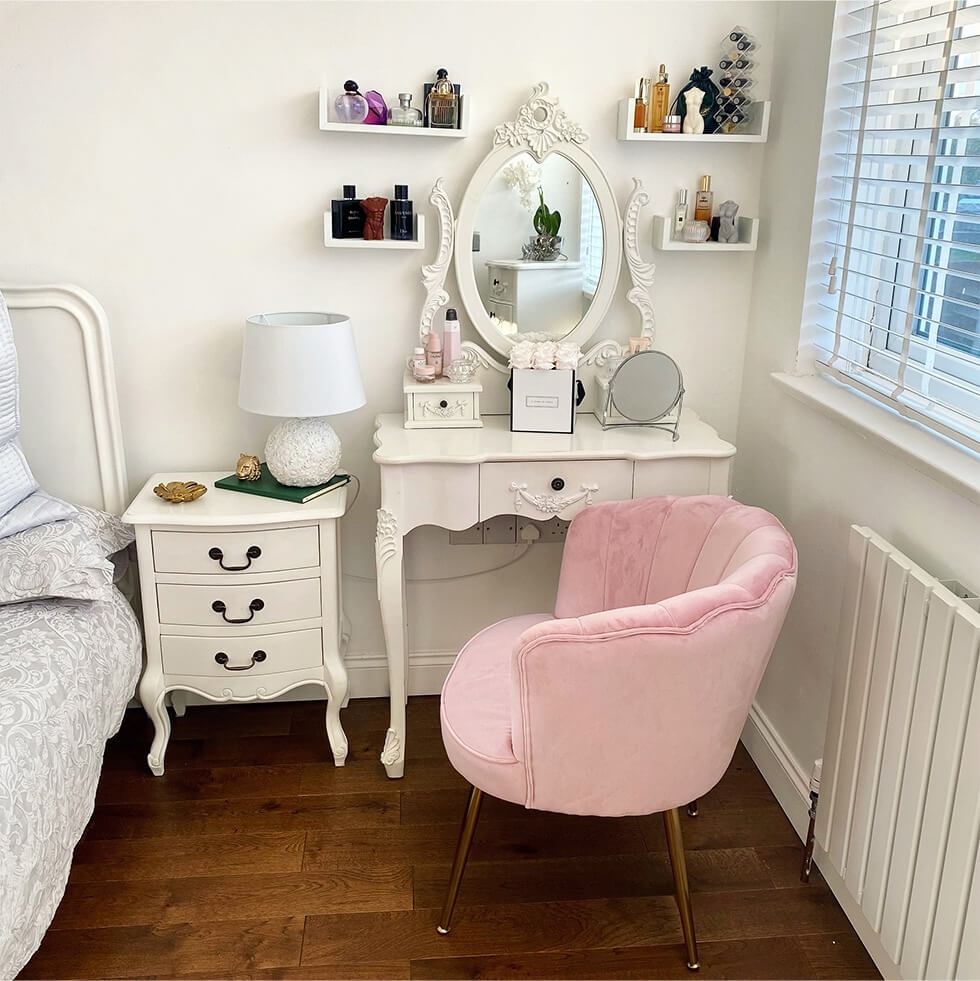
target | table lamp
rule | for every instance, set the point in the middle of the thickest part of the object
(304, 366)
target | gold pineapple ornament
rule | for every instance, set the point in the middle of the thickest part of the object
(248, 467)
(180, 491)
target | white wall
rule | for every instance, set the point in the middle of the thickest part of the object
(167, 158)
(816, 475)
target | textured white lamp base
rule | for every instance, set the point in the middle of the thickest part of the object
(303, 452)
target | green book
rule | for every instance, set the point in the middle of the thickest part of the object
(268, 486)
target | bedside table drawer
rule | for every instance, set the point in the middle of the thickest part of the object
(275, 550)
(214, 606)
(223, 657)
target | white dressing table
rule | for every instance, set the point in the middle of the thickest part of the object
(453, 478)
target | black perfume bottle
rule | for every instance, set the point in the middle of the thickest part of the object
(402, 224)
(347, 218)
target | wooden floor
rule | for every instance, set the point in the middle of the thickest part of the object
(255, 858)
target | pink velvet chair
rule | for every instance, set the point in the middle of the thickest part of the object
(631, 698)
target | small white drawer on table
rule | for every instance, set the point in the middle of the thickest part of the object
(217, 605)
(441, 404)
(273, 550)
(552, 489)
(225, 657)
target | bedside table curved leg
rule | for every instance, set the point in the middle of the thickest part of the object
(338, 685)
(391, 595)
(178, 701)
(152, 695)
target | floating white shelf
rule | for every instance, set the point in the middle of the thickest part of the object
(386, 243)
(329, 124)
(754, 130)
(748, 238)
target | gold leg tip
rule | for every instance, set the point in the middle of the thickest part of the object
(442, 930)
(696, 966)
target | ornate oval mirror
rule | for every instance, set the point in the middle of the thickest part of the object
(538, 239)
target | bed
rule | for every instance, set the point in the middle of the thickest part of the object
(68, 668)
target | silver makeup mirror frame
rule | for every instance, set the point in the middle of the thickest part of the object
(656, 421)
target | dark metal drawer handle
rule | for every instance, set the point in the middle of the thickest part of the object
(257, 658)
(253, 552)
(558, 484)
(254, 607)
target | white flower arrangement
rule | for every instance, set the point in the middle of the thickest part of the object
(523, 178)
(544, 355)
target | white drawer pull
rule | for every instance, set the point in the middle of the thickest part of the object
(222, 658)
(551, 503)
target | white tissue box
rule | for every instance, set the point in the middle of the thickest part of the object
(542, 401)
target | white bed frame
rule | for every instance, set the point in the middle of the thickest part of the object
(93, 325)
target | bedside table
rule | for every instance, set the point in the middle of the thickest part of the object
(241, 601)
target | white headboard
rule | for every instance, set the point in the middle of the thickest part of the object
(70, 427)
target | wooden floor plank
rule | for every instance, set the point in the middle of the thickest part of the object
(187, 855)
(543, 880)
(149, 819)
(432, 776)
(785, 863)
(233, 897)
(221, 783)
(126, 952)
(768, 958)
(838, 957)
(495, 841)
(362, 970)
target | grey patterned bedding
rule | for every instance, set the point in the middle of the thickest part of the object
(67, 671)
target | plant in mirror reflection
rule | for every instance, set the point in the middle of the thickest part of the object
(546, 222)
(523, 178)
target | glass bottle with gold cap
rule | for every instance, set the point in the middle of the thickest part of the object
(443, 103)
(659, 102)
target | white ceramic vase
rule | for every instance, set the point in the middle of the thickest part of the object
(303, 452)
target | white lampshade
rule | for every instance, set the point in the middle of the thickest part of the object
(300, 365)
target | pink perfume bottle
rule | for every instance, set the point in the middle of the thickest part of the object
(351, 106)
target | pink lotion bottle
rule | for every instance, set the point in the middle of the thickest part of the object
(451, 344)
(433, 351)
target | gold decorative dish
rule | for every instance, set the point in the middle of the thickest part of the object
(180, 491)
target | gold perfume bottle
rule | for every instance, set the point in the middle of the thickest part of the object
(704, 200)
(642, 106)
(659, 102)
(443, 103)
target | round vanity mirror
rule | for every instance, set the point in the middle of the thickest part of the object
(646, 387)
(538, 254)
(538, 242)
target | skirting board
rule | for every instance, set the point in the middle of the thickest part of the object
(779, 768)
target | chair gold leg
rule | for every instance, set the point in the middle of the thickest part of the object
(692, 809)
(675, 845)
(459, 862)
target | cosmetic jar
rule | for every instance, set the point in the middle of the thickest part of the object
(425, 373)
(696, 231)
(672, 124)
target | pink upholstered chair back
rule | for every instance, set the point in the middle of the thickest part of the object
(633, 699)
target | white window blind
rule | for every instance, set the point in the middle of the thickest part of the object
(591, 247)
(896, 311)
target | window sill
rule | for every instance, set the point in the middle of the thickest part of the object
(927, 452)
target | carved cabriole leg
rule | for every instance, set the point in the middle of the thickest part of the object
(178, 701)
(391, 596)
(338, 685)
(152, 696)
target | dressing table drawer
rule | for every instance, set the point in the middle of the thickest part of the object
(500, 283)
(445, 407)
(547, 489)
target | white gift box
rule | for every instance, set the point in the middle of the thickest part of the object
(542, 401)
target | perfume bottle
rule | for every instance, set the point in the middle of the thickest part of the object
(347, 217)
(351, 106)
(404, 114)
(659, 102)
(402, 222)
(703, 201)
(680, 213)
(443, 103)
(642, 105)
(451, 346)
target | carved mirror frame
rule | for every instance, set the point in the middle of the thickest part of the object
(552, 132)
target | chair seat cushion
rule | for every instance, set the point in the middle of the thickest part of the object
(476, 713)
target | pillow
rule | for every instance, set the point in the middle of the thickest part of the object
(36, 509)
(65, 559)
(16, 479)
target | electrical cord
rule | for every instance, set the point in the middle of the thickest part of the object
(466, 575)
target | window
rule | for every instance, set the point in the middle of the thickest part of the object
(591, 239)
(896, 309)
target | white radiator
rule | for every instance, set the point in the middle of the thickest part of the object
(899, 816)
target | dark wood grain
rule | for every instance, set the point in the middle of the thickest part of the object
(255, 857)
(769, 958)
